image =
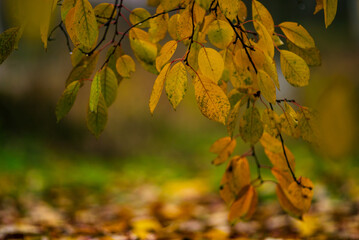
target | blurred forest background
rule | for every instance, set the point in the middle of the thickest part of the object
(169, 150)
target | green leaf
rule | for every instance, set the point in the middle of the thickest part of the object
(84, 69)
(310, 55)
(8, 41)
(232, 118)
(294, 69)
(109, 85)
(96, 120)
(176, 84)
(251, 126)
(307, 125)
(95, 92)
(66, 6)
(85, 23)
(104, 12)
(67, 100)
(113, 56)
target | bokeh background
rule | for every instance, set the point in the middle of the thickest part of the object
(38, 155)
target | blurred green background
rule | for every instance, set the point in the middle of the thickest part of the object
(37, 154)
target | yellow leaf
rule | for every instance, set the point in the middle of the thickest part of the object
(125, 66)
(278, 158)
(318, 6)
(297, 34)
(244, 206)
(172, 26)
(277, 41)
(211, 99)
(176, 84)
(235, 179)
(158, 87)
(223, 147)
(265, 41)
(262, 15)
(48, 8)
(242, 12)
(165, 54)
(271, 122)
(310, 55)
(241, 59)
(65, 8)
(286, 204)
(210, 63)
(229, 8)
(138, 15)
(141, 45)
(220, 34)
(85, 23)
(266, 86)
(184, 24)
(294, 69)
(143, 227)
(330, 10)
(104, 13)
(169, 5)
(70, 27)
(158, 26)
(251, 126)
(271, 143)
(198, 14)
(301, 195)
(205, 4)
(270, 68)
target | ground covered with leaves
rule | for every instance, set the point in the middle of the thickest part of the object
(177, 209)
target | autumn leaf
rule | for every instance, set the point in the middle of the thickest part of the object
(294, 68)
(235, 179)
(251, 126)
(67, 100)
(297, 34)
(125, 66)
(176, 84)
(223, 147)
(210, 63)
(7, 42)
(211, 99)
(85, 23)
(158, 87)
